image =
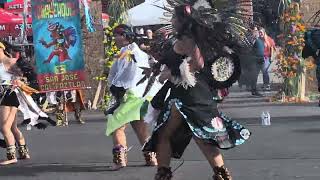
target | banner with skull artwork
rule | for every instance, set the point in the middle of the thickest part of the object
(58, 44)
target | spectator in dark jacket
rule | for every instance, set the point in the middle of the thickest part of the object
(256, 62)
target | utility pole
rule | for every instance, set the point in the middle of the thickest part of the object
(24, 28)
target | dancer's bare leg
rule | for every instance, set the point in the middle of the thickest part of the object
(163, 146)
(7, 120)
(141, 130)
(16, 132)
(215, 160)
(6, 125)
(77, 107)
(211, 153)
(119, 137)
(119, 150)
(19, 137)
(164, 151)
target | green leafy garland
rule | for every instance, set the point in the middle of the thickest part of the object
(117, 9)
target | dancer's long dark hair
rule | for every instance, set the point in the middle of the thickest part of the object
(207, 39)
(211, 43)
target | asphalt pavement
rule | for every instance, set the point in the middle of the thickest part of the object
(289, 149)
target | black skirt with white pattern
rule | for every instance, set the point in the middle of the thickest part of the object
(201, 119)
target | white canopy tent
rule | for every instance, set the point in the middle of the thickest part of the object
(148, 13)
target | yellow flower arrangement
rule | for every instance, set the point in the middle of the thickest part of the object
(298, 17)
(301, 27)
(111, 48)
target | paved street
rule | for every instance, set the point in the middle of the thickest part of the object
(289, 149)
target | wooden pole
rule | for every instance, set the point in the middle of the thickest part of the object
(96, 97)
(302, 85)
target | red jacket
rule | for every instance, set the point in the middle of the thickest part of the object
(268, 46)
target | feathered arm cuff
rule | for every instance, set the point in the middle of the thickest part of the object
(187, 78)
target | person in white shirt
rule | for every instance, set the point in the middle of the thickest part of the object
(130, 105)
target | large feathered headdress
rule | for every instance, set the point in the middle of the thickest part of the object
(227, 24)
(235, 15)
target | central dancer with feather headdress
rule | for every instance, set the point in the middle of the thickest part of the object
(202, 59)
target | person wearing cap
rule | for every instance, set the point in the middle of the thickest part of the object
(130, 105)
(8, 108)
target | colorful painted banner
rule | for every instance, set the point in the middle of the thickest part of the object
(58, 44)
